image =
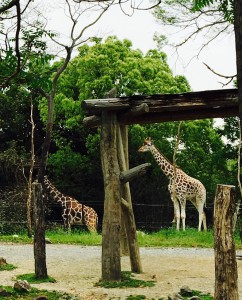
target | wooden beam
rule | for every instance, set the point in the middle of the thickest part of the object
(166, 108)
(165, 102)
(114, 104)
(133, 173)
(92, 121)
(168, 116)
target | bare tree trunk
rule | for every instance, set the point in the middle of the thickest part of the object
(39, 232)
(29, 225)
(238, 44)
(111, 264)
(238, 204)
(226, 274)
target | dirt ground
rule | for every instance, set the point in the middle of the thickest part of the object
(78, 268)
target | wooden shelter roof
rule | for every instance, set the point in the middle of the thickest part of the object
(143, 109)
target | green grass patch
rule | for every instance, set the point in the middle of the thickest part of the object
(163, 238)
(31, 278)
(75, 237)
(127, 280)
(7, 267)
(16, 238)
(11, 294)
(201, 296)
(173, 238)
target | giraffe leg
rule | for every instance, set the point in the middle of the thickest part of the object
(183, 216)
(202, 216)
(177, 214)
(204, 221)
(200, 220)
(67, 220)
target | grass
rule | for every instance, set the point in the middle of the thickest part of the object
(127, 280)
(13, 294)
(31, 278)
(164, 238)
(7, 267)
(201, 296)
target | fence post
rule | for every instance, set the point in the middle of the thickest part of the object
(226, 274)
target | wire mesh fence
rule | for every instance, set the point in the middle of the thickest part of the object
(148, 216)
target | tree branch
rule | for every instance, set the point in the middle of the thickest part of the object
(230, 77)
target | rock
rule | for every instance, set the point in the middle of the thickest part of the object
(4, 293)
(185, 291)
(175, 296)
(22, 285)
(195, 298)
(2, 261)
(48, 241)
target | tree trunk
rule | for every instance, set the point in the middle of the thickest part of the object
(39, 232)
(238, 44)
(29, 202)
(111, 264)
(226, 274)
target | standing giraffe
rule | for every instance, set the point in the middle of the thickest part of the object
(73, 211)
(182, 187)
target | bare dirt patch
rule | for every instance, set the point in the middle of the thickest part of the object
(77, 269)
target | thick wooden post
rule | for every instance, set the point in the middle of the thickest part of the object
(128, 214)
(123, 165)
(226, 274)
(111, 264)
(39, 232)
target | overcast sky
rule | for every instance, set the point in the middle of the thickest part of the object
(140, 28)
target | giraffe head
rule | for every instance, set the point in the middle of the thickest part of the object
(146, 146)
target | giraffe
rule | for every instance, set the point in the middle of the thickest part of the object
(73, 211)
(181, 186)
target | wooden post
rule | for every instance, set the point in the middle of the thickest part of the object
(111, 264)
(123, 165)
(226, 274)
(128, 214)
(39, 232)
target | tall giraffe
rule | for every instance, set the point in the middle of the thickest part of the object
(181, 186)
(73, 211)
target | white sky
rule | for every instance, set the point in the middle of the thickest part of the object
(140, 28)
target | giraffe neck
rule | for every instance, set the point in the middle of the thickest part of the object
(163, 162)
(54, 193)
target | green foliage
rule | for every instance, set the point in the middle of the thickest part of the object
(32, 54)
(127, 280)
(31, 278)
(225, 6)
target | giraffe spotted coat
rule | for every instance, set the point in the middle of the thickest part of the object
(74, 213)
(181, 186)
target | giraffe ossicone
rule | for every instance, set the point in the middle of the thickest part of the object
(74, 213)
(182, 187)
